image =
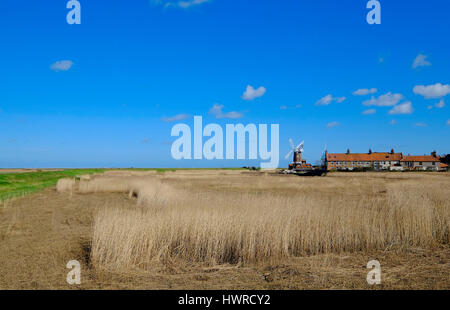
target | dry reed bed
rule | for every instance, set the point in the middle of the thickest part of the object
(230, 220)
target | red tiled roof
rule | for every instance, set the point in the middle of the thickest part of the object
(364, 157)
(425, 158)
(444, 165)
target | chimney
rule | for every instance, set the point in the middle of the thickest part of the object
(434, 154)
(370, 151)
(392, 151)
(348, 151)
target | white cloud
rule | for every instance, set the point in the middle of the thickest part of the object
(420, 125)
(189, 3)
(448, 122)
(178, 117)
(216, 110)
(283, 107)
(329, 99)
(184, 4)
(365, 91)
(325, 100)
(393, 122)
(432, 91)
(404, 108)
(333, 124)
(62, 65)
(252, 93)
(386, 100)
(421, 61)
(440, 104)
(298, 106)
(369, 112)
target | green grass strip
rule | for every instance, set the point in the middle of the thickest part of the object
(20, 184)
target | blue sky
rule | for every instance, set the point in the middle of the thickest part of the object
(105, 93)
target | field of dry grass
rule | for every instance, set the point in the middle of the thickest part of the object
(213, 229)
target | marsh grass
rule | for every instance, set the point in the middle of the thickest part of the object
(227, 220)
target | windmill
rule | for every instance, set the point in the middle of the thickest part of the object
(297, 151)
(299, 166)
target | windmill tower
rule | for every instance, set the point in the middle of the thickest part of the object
(297, 152)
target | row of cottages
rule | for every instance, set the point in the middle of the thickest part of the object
(381, 161)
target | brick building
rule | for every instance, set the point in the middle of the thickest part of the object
(381, 161)
(426, 162)
(351, 161)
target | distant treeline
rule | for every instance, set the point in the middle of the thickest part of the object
(445, 159)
